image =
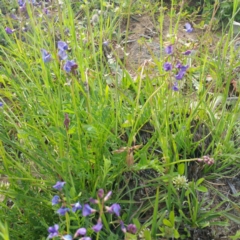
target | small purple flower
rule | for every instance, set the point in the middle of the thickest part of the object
(107, 196)
(178, 65)
(69, 65)
(93, 201)
(62, 55)
(87, 210)
(175, 87)
(46, 56)
(123, 228)
(188, 52)
(98, 226)
(66, 121)
(80, 232)
(21, 3)
(181, 72)
(59, 185)
(100, 193)
(115, 208)
(1, 104)
(85, 238)
(167, 66)
(131, 228)
(169, 49)
(62, 211)
(76, 206)
(188, 27)
(62, 45)
(67, 237)
(8, 30)
(53, 231)
(55, 200)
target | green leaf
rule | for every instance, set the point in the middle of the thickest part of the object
(172, 217)
(181, 168)
(147, 235)
(199, 181)
(202, 189)
(166, 222)
(176, 234)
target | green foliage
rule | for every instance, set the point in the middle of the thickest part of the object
(98, 126)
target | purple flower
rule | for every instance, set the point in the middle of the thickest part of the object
(178, 65)
(67, 237)
(100, 193)
(59, 185)
(167, 66)
(66, 121)
(131, 228)
(188, 27)
(1, 104)
(87, 210)
(69, 65)
(175, 87)
(80, 232)
(98, 226)
(107, 196)
(53, 231)
(115, 208)
(21, 3)
(62, 55)
(55, 200)
(62, 211)
(93, 201)
(181, 72)
(169, 49)
(85, 238)
(8, 30)
(46, 56)
(188, 52)
(123, 228)
(76, 206)
(62, 45)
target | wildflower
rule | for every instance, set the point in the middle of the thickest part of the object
(188, 27)
(131, 228)
(53, 231)
(180, 182)
(100, 193)
(67, 237)
(46, 56)
(59, 185)
(98, 226)
(175, 87)
(115, 208)
(167, 66)
(1, 104)
(206, 160)
(107, 196)
(188, 52)
(123, 228)
(181, 72)
(87, 210)
(55, 200)
(62, 211)
(76, 206)
(178, 65)
(21, 3)
(69, 65)
(66, 121)
(85, 238)
(9, 30)
(169, 49)
(93, 201)
(80, 232)
(62, 45)
(62, 55)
